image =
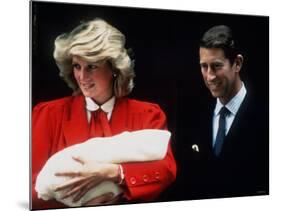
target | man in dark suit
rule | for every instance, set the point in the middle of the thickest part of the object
(225, 148)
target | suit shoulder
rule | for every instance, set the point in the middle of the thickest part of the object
(143, 107)
(56, 104)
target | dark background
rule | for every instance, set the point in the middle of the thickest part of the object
(165, 45)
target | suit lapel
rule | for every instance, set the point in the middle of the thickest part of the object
(209, 131)
(204, 132)
(238, 125)
(76, 128)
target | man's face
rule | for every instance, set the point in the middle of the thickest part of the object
(220, 77)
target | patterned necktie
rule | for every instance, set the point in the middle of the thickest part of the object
(221, 131)
(99, 126)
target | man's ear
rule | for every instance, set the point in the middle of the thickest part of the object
(238, 62)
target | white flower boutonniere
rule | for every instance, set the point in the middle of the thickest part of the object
(195, 147)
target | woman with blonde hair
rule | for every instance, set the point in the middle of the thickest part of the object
(94, 63)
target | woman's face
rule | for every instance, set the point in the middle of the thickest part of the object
(94, 79)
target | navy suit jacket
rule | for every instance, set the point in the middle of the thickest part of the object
(241, 169)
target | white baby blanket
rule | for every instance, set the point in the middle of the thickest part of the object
(137, 146)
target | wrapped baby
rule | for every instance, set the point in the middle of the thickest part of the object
(137, 146)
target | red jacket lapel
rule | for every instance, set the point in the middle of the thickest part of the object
(119, 118)
(76, 128)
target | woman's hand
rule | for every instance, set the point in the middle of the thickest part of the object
(90, 176)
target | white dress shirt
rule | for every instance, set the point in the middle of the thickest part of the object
(233, 106)
(107, 107)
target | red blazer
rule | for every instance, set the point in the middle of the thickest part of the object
(61, 123)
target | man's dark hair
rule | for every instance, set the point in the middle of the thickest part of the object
(220, 37)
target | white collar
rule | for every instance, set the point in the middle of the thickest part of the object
(234, 104)
(106, 107)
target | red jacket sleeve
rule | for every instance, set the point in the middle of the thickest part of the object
(146, 180)
(42, 133)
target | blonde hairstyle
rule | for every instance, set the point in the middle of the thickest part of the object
(95, 41)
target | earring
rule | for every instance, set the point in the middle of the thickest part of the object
(114, 75)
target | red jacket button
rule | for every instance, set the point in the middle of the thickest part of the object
(133, 180)
(145, 178)
(157, 175)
